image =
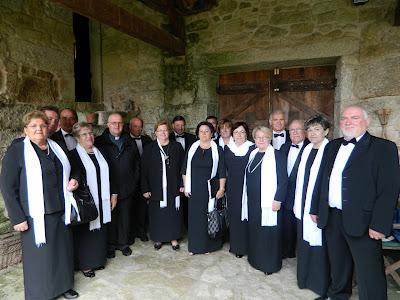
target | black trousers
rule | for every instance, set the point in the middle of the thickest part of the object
(289, 233)
(140, 211)
(366, 253)
(120, 227)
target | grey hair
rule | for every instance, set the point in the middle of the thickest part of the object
(365, 113)
(278, 111)
(76, 129)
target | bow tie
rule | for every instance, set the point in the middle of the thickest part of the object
(137, 138)
(180, 135)
(68, 134)
(295, 146)
(278, 134)
(353, 141)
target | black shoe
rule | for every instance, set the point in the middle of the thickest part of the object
(267, 273)
(126, 251)
(239, 255)
(99, 268)
(157, 246)
(110, 253)
(70, 294)
(321, 298)
(176, 247)
(89, 273)
(144, 238)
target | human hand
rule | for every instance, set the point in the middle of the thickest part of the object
(188, 194)
(21, 226)
(314, 218)
(276, 205)
(147, 195)
(220, 193)
(375, 234)
(113, 200)
(181, 190)
(72, 185)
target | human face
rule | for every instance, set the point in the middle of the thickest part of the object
(136, 127)
(37, 131)
(179, 126)
(162, 133)
(54, 120)
(67, 120)
(225, 131)
(353, 123)
(204, 133)
(262, 140)
(316, 134)
(296, 132)
(115, 124)
(213, 122)
(277, 122)
(86, 138)
(239, 135)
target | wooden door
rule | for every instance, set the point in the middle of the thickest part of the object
(299, 92)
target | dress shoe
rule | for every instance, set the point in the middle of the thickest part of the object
(89, 273)
(144, 238)
(176, 247)
(321, 298)
(268, 273)
(110, 253)
(157, 246)
(70, 294)
(99, 268)
(126, 251)
(239, 255)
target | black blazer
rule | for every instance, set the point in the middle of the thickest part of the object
(189, 139)
(370, 186)
(281, 174)
(59, 139)
(124, 165)
(291, 185)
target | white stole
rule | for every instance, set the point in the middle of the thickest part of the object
(91, 180)
(221, 142)
(311, 233)
(164, 201)
(188, 177)
(35, 188)
(269, 186)
(240, 150)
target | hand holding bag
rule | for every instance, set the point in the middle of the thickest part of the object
(217, 220)
(86, 206)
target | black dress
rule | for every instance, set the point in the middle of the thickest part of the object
(235, 166)
(48, 269)
(264, 242)
(198, 240)
(312, 261)
(90, 246)
(165, 224)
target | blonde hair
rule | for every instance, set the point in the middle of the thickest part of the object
(266, 130)
(36, 114)
(161, 122)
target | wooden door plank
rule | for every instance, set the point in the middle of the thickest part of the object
(244, 105)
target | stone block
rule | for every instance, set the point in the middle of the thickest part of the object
(303, 28)
(233, 26)
(267, 32)
(290, 17)
(244, 5)
(227, 17)
(371, 14)
(227, 6)
(326, 17)
(197, 25)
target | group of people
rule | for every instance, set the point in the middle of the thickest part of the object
(288, 192)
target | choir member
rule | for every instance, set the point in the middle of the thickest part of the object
(277, 123)
(225, 133)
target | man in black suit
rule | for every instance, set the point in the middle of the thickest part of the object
(53, 114)
(123, 160)
(63, 137)
(277, 123)
(213, 120)
(139, 207)
(358, 191)
(292, 152)
(186, 140)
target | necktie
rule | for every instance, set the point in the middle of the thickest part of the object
(137, 138)
(180, 135)
(278, 134)
(68, 134)
(296, 146)
(353, 141)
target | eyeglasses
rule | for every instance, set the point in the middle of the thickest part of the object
(162, 130)
(239, 132)
(43, 126)
(87, 134)
(261, 138)
(116, 123)
(296, 130)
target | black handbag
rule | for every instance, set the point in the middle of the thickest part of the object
(86, 206)
(218, 220)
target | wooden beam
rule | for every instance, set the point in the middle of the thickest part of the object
(242, 88)
(120, 19)
(303, 85)
(244, 105)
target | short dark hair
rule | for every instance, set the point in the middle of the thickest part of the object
(317, 119)
(178, 118)
(50, 108)
(212, 117)
(206, 124)
(71, 110)
(244, 125)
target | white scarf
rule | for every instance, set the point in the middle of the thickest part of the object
(188, 177)
(221, 142)
(240, 150)
(268, 187)
(35, 188)
(91, 180)
(164, 201)
(311, 233)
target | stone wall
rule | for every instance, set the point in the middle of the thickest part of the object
(260, 34)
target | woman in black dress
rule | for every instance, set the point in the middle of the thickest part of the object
(36, 186)
(90, 240)
(204, 179)
(312, 259)
(236, 158)
(263, 191)
(161, 183)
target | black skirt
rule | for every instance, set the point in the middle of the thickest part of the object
(48, 269)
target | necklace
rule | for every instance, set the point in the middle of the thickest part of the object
(249, 164)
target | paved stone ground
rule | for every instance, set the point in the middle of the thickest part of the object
(166, 274)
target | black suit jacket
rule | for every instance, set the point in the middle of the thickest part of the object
(59, 139)
(370, 186)
(189, 139)
(145, 140)
(291, 185)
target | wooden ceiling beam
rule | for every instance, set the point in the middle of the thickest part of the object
(120, 19)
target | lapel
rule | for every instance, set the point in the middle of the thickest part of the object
(359, 148)
(298, 159)
(335, 149)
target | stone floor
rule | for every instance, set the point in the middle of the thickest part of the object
(166, 274)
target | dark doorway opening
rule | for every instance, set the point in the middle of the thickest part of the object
(83, 87)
